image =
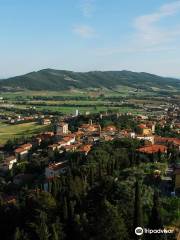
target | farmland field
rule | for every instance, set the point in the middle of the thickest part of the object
(15, 131)
(66, 102)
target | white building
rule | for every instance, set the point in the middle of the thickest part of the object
(7, 164)
(55, 169)
(77, 113)
(149, 138)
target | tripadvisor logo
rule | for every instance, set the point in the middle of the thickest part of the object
(139, 231)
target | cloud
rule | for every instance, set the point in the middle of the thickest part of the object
(88, 8)
(148, 31)
(84, 31)
(150, 35)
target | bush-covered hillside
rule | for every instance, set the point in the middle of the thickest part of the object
(49, 79)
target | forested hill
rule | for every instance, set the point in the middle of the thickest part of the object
(49, 79)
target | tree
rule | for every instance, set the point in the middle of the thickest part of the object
(20, 235)
(109, 224)
(65, 210)
(57, 232)
(138, 219)
(155, 221)
(42, 230)
(17, 235)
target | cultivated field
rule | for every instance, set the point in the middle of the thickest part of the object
(8, 131)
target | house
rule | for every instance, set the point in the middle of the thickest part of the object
(142, 117)
(151, 126)
(155, 148)
(45, 121)
(85, 148)
(26, 146)
(22, 151)
(89, 128)
(45, 135)
(144, 130)
(146, 138)
(36, 141)
(70, 148)
(52, 148)
(69, 139)
(167, 141)
(55, 169)
(107, 138)
(7, 164)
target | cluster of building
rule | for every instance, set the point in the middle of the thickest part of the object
(88, 134)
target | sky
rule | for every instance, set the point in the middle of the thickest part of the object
(86, 35)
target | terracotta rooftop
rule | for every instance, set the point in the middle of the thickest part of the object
(56, 166)
(20, 150)
(27, 145)
(142, 126)
(153, 149)
(85, 148)
(166, 140)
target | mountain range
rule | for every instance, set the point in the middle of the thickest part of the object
(50, 79)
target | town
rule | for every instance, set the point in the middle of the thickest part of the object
(90, 133)
(70, 141)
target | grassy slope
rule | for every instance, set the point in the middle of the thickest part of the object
(14, 131)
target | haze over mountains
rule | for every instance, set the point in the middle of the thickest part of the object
(50, 79)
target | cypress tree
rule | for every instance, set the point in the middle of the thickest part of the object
(91, 177)
(20, 235)
(54, 188)
(99, 170)
(17, 235)
(138, 219)
(57, 232)
(42, 229)
(155, 221)
(65, 210)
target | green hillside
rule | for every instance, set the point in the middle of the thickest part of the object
(49, 79)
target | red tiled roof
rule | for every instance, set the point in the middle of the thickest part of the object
(27, 145)
(56, 166)
(166, 140)
(142, 126)
(20, 150)
(153, 149)
(85, 148)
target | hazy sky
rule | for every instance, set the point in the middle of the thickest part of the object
(83, 35)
